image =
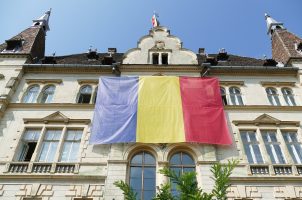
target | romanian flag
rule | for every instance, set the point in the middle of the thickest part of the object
(159, 109)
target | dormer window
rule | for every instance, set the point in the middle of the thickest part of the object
(299, 47)
(155, 59)
(13, 45)
(164, 58)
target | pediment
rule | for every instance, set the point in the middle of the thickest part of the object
(266, 119)
(56, 117)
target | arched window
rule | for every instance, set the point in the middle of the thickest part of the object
(31, 94)
(181, 162)
(235, 96)
(272, 96)
(288, 96)
(142, 175)
(47, 93)
(85, 94)
(223, 96)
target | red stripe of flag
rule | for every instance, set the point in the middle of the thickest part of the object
(204, 117)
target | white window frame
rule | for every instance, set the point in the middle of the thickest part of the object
(292, 145)
(38, 149)
(251, 143)
(236, 96)
(275, 100)
(289, 99)
(272, 147)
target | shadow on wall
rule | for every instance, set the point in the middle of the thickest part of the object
(228, 152)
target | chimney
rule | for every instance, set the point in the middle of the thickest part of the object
(201, 51)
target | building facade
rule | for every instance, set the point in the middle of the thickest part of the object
(47, 105)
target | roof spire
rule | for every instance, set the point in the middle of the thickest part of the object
(272, 24)
(43, 21)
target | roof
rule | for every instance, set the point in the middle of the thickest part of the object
(232, 60)
(83, 59)
(33, 42)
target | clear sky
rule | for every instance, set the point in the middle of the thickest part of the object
(236, 25)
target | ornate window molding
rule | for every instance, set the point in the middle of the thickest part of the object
(266, 120)
(44, 81)
(277, 84)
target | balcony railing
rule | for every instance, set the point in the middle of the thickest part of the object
(283, 170)
(259, 169)
(65, 168)
(41, 167)
(29, 167)
(18, 168)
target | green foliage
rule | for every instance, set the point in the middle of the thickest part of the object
(164, 193)
(187, 185)
(127, 190)
(222, 173)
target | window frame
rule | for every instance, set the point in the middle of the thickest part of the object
(237, 96)
(43, 129)
(29, 87)
(143, 151)
(257, 142)
(43, 91)
(273, 99)
(93, 95)
(289, 98)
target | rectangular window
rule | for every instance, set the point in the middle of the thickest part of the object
(49, 145)
(155, 57)
(71, 146)
(273, 147)
(251, 147)
(164, 58)
(29, 143)
(293, 146)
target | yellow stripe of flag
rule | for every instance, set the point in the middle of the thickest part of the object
(159, 115)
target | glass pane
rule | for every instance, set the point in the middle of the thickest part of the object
(137, 159)
(31, 135)
(252, 137)
(175, 159)
(148, 195)
(44, 150)
(53, 134)
(136, 183)
(270, 153)
(74, 152)
(86, 90)
(273, 137)
(257, 153)
(248, 153)
(187, 160)
(149, 172)
(135, 172)
(239, 99)
(279, 153)
(52, 151)
(149, 159)
(65, 152)
(149, 184)
(188, 169)
(177, 170)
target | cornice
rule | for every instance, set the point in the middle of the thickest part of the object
(51, 105)
(226, 83)
(44, 81)
(277, 83)
(262, 179)
(252, 71)
(159, 68)
(263, 108)
(88, 81)
(52, 177)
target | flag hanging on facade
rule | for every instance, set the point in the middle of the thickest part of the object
(159, 109)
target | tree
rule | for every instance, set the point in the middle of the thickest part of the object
(187, 186)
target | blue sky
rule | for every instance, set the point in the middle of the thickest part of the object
(236, 25)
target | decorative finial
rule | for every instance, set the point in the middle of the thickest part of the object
(43, 21)
(272, 24)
